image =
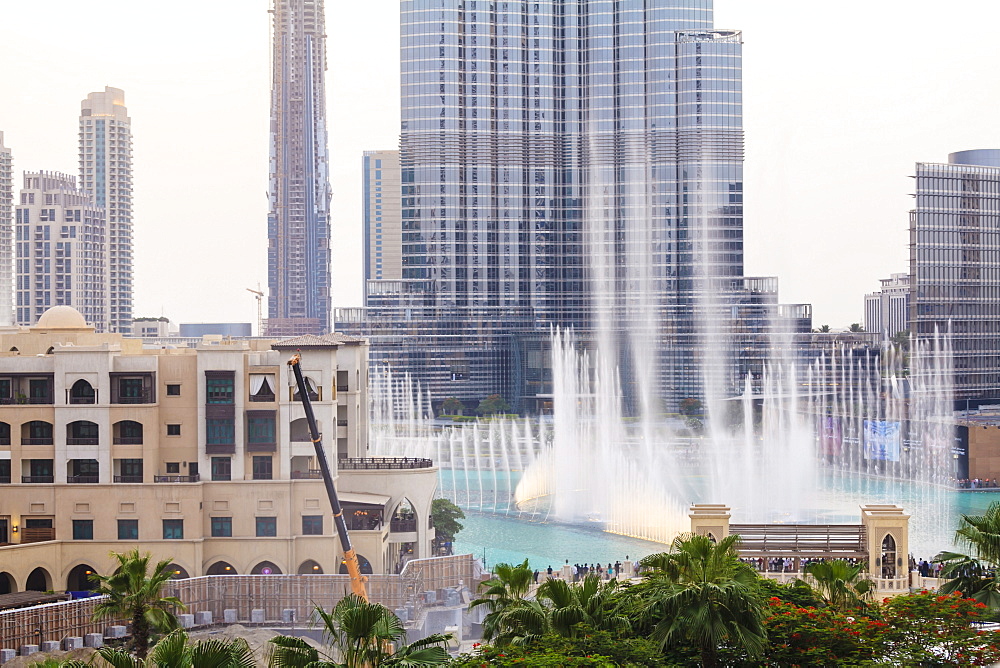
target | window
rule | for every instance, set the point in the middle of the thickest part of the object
(219, 388)
(262, 468)
(222, 527)
(173, 390)
(173, 430)
(260, 428)
(4, 470)
(312, 525)
(222, 468)
(220, 431)
(128, 529)
(173, 467)
(173, 529)
(130, 390)
(131, 468)
(83, 529)
(267, 526)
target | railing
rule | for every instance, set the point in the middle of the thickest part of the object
(176, 478)
(265, 398)
(403, 525)
(90, 440)
(83, 479)
(128, 478)
(144, 397)
(127, 440)
(45, 399)
(37, 479)
(383, 463)
(36, 441)
(37, 534)
(307, 475)
(342, 388)
(92, 399)
(4, 440)
(263, 476)
(4, 479)
(341, 423)
(363, 523)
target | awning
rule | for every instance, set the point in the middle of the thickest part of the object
(363, 499)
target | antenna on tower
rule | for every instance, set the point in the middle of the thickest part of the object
(259, 296)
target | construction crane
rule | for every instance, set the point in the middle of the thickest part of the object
(350, 556)
(259, 296)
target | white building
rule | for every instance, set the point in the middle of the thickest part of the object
(106, 173)
(6, 236)
(887, 311)
(61, 245)
(383, 218)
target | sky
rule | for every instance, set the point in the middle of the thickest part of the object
(840, 100)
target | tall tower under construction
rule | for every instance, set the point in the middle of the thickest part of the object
(298, 225)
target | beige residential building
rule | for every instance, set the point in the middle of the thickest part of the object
(6, 236)
(383, 221)
(200, 454)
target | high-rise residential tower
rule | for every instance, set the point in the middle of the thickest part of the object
(6, 235)
(298, 226)
(572, 163)
(383, 223)
(887, 311)
(61, 243)
(106, 172)
(955, 266)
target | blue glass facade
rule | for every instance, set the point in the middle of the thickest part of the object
(567, 162)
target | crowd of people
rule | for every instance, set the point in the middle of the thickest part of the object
(581, 571)
(785, 564)
(977, 483)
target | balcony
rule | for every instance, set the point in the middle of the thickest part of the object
(4, 479)
(37, 534)
(4, 440)
(383, 463)
(342, 388)
(83, 479)
(262, 398)
(312, 474)
(36, 441)
(128, 478)
(144, 397)
(37, 479)
(176, 478)
(403, 525)
(128, 440)
(90, 440)
(42, 399)
(341, 423)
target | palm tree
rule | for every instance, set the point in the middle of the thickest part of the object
(590, 603)
(975, 575)
(173, 651)
(511, 616)
(702, 594)
(360, 635)
(133, 592)
(824, 329)
(841, 585)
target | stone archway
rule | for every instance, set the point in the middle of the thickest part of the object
(888, 556)
(79, 578)
(7, 583)
(177, 572)
(221, 568)
(38, 580)
(266, 568)
(310, 567)
(363, 564)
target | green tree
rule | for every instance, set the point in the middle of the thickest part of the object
(493, 405)
(452, 406)
(579, 608)
(700, 593)
(690, 407)
(856, 327)
(842, 586)
(134, 592)
(446, 516)
(359, 634)
(974, 574)
(511, 617)
(824, 329)
(173, 651)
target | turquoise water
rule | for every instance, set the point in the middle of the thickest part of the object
(507, 536)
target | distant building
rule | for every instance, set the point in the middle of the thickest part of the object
(193, 330)
(298, 225)
(887, 311)
(383, 222)
(152, 328)
(955, 265)
(61, 250)
(106, 173)
(6, 236)
(199, 454)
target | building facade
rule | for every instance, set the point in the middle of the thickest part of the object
(955, 266)
(61, 241)
(198, 454)
(887, 311)
(106, 173)
(298, 225)
(382, 218)
(6, 235)
(573, 164)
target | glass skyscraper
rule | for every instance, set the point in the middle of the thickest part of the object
(570, 163)
(298, 226)
(955, 266)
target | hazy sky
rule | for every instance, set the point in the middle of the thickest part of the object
(841, 99)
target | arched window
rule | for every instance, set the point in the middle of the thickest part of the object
(888, 556)
(39, 580)
(177, 572)
(79, 578)
(265, 568)
(310, 567)
(82, 432)
(363, 564)
(7, 584)
(127, 432)
(404, 517)
(82, 392)
(311, 385)
(36, 432)
(221, 568)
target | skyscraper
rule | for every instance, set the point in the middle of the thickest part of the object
(106, 172)
(955, 266)
(61, 238)
(298, 226)
(6, 235)
(567, 163)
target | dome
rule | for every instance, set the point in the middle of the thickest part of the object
(61, 317)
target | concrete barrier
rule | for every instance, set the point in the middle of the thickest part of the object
(48, 646)
(257, 616)
(115, 631)
(229, 616)
(7, 655)
(72, 642)
(28, 650)
(93, 640)
(203, 618)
